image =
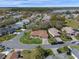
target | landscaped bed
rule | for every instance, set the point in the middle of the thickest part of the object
(27, 40)
(7, 37)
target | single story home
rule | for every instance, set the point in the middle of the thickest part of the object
(54, 32)
(39, 33)
(26, 21)
(68, 30)
(46, 18)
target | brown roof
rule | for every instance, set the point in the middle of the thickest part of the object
(40, 33)
(13, 56)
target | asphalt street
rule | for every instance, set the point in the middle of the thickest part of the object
(16, 44)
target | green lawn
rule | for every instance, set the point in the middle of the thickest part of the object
(19, 30)
(26, 54)
(36, 53)
(72, 23)
(65, 38)
(52, 41)
(70, 57)
(1, 49)
(63, 49)
(7, 37)
(27, 40)
(77, 37)
(77, 47)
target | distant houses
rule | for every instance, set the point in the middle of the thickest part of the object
(17, 16)
(46, 18)
(4, 31)
(69, 31)
(26, 21)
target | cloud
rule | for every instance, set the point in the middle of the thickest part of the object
(38, 3)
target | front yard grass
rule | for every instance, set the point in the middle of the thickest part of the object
(7, 37)
(70, 57)
(77, 37)
(25, 39)
(63, 49)
(77, 47)
(52, 41)
(65, 38)
(36, 53)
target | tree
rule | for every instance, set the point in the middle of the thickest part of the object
(38, 53)
(24, 26)
(68, 12)
(57, 21)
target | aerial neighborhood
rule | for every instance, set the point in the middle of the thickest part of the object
(42, 33)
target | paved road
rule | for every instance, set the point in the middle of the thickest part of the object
(15, 43)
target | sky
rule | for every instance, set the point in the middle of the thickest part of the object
(39, 3)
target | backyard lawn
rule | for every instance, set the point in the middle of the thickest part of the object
(25, 39)
(72, 23)
(7, 37)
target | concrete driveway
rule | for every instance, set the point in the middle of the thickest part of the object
(45, 41)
